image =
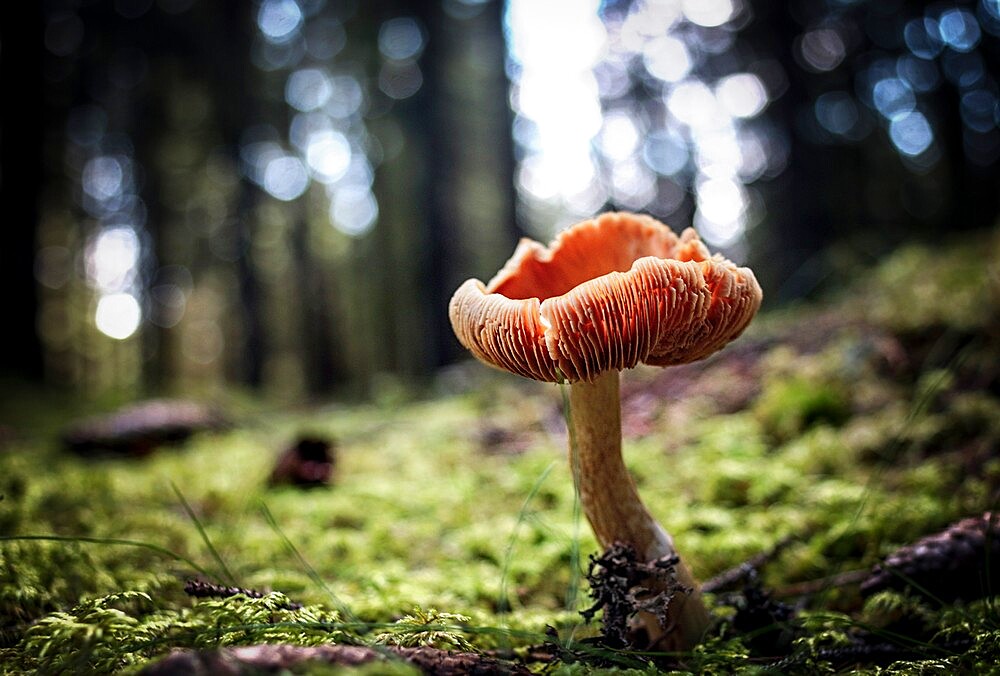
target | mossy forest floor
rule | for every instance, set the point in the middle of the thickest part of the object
(828, 436)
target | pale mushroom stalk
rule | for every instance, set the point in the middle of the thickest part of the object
(612, 505)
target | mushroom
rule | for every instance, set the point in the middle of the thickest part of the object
(607, 294)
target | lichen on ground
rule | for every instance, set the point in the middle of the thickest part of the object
(839, 431)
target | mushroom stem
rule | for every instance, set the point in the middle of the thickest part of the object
(616, 513)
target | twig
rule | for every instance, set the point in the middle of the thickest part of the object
(201, 589)
(844, 579)
(728, 579)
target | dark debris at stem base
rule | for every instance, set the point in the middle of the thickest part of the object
(622, 586)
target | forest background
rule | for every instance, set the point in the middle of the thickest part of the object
(282, 195)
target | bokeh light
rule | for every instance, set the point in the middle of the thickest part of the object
(103, 177)
(666, 152)
(963, 69)
(112, 258)
(328, 137)
(667, 58)
(286, 177)
(837, 112)
(709, 13)
(722, 205)
(921, 75)
(632, 185)
(923, 38)
(353, 210)
(347, 97)
(279, 20)
(400, 80)
(694, 130)
(256, 153)
(556, 91)
(619, 136)
(401, 39)
(305, 126)
(741, 94)
(169, 291)
(754, 155)
(980, 109)
(308, 89)
(911, 133)
(118, 315)
(325, 37)
(328, 154)
(822, 49)
(893, 98)
(694, 104)
(959, 29)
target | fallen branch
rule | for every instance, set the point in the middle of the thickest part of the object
(729, 579)
(809, 587)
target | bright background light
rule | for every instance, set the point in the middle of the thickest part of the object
(118, 315)
(587, 143)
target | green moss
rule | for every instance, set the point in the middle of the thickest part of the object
(919, 287)
(841, 456)
(116, 631)
(428, 628)
(790, 405)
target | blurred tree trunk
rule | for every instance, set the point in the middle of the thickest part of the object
(252, 350)
(322, 372)
(149, 124)
(460, 120)
(231, 74)
(798, 225)
(973, 196)
(22, 120)
(207, 46)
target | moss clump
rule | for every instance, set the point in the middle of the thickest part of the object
(788, 407)
(919, 287)
(428, 628)
(112, 632)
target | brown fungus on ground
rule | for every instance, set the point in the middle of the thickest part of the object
(606, 295)
(138, 429)
(308, 463)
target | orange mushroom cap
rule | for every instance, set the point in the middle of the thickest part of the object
(608, 293)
